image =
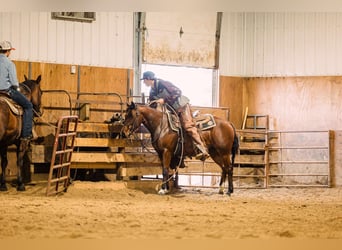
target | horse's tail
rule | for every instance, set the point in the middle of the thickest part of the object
(235, 146)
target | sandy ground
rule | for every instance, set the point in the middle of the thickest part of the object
(109, 210)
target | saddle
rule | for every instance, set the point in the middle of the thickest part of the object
(14, 107)
(203, 121)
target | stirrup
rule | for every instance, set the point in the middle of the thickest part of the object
(27, 138)
(202, 156)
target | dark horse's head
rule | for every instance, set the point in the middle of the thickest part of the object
(133, 119)
(31, 89)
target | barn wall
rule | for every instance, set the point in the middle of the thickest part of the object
(297, 103)
(285, 65)
(281, 44)
(231, 95)
(106, 42)
(292, 103)
(105, 89)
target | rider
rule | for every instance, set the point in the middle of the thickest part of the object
(165, 92)
(9, 83)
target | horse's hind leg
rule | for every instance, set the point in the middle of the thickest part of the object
(223, 180)
(4, 162)
(230, 180)
(227, 169)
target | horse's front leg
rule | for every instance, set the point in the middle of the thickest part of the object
(21, 151)
(166, 160)
(4, 162)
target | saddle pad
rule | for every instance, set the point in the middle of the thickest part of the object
(173, 120)
(205, 121)
(14, 107)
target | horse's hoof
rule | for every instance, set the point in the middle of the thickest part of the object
(21, 188)
(3, 188)
(221, 192)
(229, 194)
(163, 191)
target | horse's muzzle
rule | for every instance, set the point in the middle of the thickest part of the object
(126, 131)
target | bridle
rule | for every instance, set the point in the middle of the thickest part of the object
(135, 124)
(29, 92)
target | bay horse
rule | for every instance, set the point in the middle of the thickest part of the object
(10, 128)
(221, 141)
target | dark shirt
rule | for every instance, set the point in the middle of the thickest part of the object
(166, 90)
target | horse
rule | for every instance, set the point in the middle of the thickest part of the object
(221, 141)
(10, 128)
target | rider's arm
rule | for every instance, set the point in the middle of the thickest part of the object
(12, 74)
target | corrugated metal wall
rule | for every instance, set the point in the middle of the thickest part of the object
(106, 42)
(252, 44)
(281, 44)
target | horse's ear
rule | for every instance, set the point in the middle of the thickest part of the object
(131, 105)
(39, 78)
(25, 77)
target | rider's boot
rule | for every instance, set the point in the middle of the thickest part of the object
(203, 155)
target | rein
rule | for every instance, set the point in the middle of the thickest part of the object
(28, 89)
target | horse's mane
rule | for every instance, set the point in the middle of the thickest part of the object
(29, 83)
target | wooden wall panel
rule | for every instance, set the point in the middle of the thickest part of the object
(56, 77)
(111, 86)
(292, 103)
(112, 82)
(22, 70)
(231, 96)
(99, 79)
(297, 103)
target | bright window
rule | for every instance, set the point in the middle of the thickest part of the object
(195, 83)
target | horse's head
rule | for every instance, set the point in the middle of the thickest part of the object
(31, 89)
(133, 119)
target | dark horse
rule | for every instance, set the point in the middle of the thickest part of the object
(10, 129)
(221, 140)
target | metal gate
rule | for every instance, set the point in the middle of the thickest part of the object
(59, 175)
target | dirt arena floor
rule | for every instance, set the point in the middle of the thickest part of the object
(110, 210)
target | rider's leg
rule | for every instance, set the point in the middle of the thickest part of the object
(28, 113)
(189, 125)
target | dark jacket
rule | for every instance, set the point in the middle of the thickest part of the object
(171, 94)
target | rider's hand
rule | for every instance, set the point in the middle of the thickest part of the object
(15, 88)
(160, 101)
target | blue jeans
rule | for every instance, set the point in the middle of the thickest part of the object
(28, 113)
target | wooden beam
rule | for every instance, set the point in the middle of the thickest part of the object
(140, 171)
(106, 142)
(250, 159)
(252, 146)
(93, 165)
(95, 127)
(107, 157)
